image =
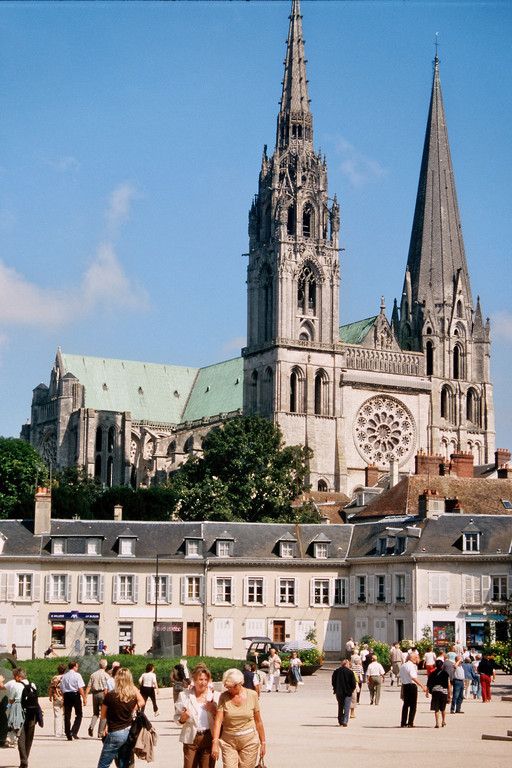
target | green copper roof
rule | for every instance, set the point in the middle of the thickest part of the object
(217, 389)
(149, 391)
(166, 394)
(354, 333)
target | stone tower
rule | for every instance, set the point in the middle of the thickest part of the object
(436, 315)
(293, 271)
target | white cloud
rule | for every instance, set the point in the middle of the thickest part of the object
(234, 345)
(501, 325)
(64, 164)
(358, 168)
(103, 285)
(119, 207)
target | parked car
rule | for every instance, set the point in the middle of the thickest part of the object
(259, 649)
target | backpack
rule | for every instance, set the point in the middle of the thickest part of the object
(29, 698)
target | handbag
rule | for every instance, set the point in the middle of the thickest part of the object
(139, 722)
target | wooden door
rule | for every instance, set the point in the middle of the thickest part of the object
(193, 638)
(279, 631)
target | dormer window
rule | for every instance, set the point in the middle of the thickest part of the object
(400, 545)
(225, 547)
(192, 547)
(471, 541)
(287, 549)
(382, 545)
(127, 546)
(93, 546)
(58, 546)
(321, 550)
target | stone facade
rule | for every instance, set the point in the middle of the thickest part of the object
(367, 393)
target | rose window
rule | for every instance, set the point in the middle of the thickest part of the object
(384, 429)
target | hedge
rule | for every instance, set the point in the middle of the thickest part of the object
(41, 671)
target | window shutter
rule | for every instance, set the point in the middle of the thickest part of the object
(36, 587)
(3, 588)
(312, 592)
(296, 591)
(370, 589)
(477, 590)
(352, 589)
(150, 589)
(246, 591)
(433, 591)
(265, 590)
(233, 589)
(277, 590)
(387, 581)
(101, 588)
(331, 590)
(486, 588)
(169, 589)
(287, 628)
(444, 589)
(11, 586)
(183, 587)
(47, 586)
(80, 588)
(115, 588)
(509, 586)
(202, 586)
(213, 596)
(231, 548)
(68, 587)
(408, 588)
(135, 589)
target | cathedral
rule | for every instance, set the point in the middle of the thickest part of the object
(370, 394)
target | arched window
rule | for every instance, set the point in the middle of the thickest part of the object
(253, 394)
(308, 221)
(472, 407)
(189, 445)
(459, 308)
(97, 466)
(306, 291)
(429, 358)
(297, 391)
(458, 362)
(290, 223)
(306, 332)
(99, 439)
(111, 439)
(110, 472)
(447, 404)
(266, 308)
(172, 448)
(322, 486)
(268, 391)
(321, 393)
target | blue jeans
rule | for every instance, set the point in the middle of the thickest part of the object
(343, 709)
(476, 688)
(457, 695)
(115, 746)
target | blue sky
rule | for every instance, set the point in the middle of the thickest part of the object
(131, 137)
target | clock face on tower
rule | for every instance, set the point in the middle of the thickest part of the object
(384, 429)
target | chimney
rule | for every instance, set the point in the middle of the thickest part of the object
(430, 504)
(501, 457)
(505, 473)
(43, 512)
(371, 475)
(428, 464)
(118, 512)
(393, 473)
(461, 464)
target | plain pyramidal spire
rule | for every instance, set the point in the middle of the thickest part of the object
(295, 122)
(436, 258)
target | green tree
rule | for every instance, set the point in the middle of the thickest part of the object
(74, 493)
(21, 467)
(245, 473)
(155, 503)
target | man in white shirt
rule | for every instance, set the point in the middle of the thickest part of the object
(72, 687)
(349, 647)
(396, 658)
(374, 674)
(410, 683)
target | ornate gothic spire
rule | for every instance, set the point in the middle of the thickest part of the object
(436, 260)
(295, 122)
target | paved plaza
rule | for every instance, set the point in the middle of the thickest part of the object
(302, 731)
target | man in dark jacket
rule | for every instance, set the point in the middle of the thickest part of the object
(343, 685)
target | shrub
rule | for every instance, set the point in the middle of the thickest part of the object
(41, 671)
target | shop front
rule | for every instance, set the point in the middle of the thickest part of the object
(74, 631)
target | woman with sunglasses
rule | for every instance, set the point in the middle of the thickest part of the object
(238, 714)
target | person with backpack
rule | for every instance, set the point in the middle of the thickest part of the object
(24, 712)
